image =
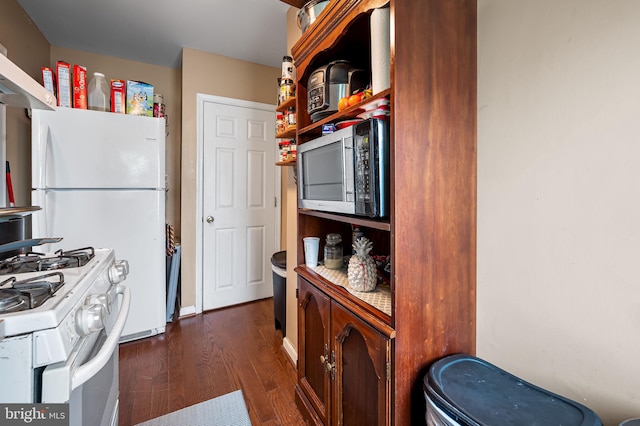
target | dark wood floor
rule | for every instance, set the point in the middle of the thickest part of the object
(206, 356)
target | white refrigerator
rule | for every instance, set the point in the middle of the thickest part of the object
(99, 178)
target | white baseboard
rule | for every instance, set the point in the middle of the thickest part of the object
(187, 311)
(291, 351)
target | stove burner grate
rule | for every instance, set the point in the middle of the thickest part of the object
(28, 293)
(36, 262)
(10, 300)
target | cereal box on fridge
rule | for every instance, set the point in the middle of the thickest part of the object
(64, 84)
(139, 98)
(118, 96)
(49, 80)
(79, 87)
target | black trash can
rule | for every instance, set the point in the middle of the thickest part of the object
(279, 267)
(468, 391)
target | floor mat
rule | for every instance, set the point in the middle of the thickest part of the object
(225, 410)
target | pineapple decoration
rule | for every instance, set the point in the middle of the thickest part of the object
(362, 267)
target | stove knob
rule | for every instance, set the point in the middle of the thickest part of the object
(99, 299)
(90, 319)
(118, 271)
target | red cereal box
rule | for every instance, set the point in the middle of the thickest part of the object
(79, 87)
(118, 96)
(63, 70)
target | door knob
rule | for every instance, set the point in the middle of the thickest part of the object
(209, 219)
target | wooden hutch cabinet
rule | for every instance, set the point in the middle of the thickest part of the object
(362, 362)
(344, 363)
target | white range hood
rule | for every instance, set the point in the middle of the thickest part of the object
(18, 89)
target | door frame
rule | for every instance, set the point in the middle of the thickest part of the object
(201, 98)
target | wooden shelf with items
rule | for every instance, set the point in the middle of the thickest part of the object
(353, 111)
(287, 134)
(291, 102)
(313, 222)
(290, 132)
(374, 306)
(430, 234)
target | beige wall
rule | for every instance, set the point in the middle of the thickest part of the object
(166, 81)
(27, 48)
(220, 76)
(559, 197)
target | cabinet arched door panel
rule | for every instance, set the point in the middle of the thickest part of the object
(361, 371)
(313, 322)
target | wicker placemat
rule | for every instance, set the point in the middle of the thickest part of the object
(380, 298)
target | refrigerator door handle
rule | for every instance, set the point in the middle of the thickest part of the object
(41, 153)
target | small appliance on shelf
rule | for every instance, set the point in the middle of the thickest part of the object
(331, 82)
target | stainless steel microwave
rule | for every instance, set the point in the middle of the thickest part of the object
(347, 171)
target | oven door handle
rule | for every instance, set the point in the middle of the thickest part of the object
(91, 367)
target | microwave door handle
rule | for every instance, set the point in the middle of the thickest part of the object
(298, 177)
(345, 173)
(347, 169)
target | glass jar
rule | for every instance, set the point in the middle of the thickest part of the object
(291, 116)
(286, 151)
(287, 90)
(293, 149)
(287, 67)
(333, 252)
(281, 126)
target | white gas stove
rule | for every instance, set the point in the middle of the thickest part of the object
(59, 331)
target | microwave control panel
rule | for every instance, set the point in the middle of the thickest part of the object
(371, 167)
(363, 169)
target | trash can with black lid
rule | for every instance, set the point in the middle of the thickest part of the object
(468, 391)
(279, 267)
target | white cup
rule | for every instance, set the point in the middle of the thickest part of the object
(311, 246)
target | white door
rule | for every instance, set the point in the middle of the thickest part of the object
(239, 211)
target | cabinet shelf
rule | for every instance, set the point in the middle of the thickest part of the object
(375, 306)
(287, 134)
(290, 163)
(382, 225)
(291, 102)
(351, 112)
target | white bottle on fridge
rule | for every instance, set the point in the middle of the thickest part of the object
(98, 93)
